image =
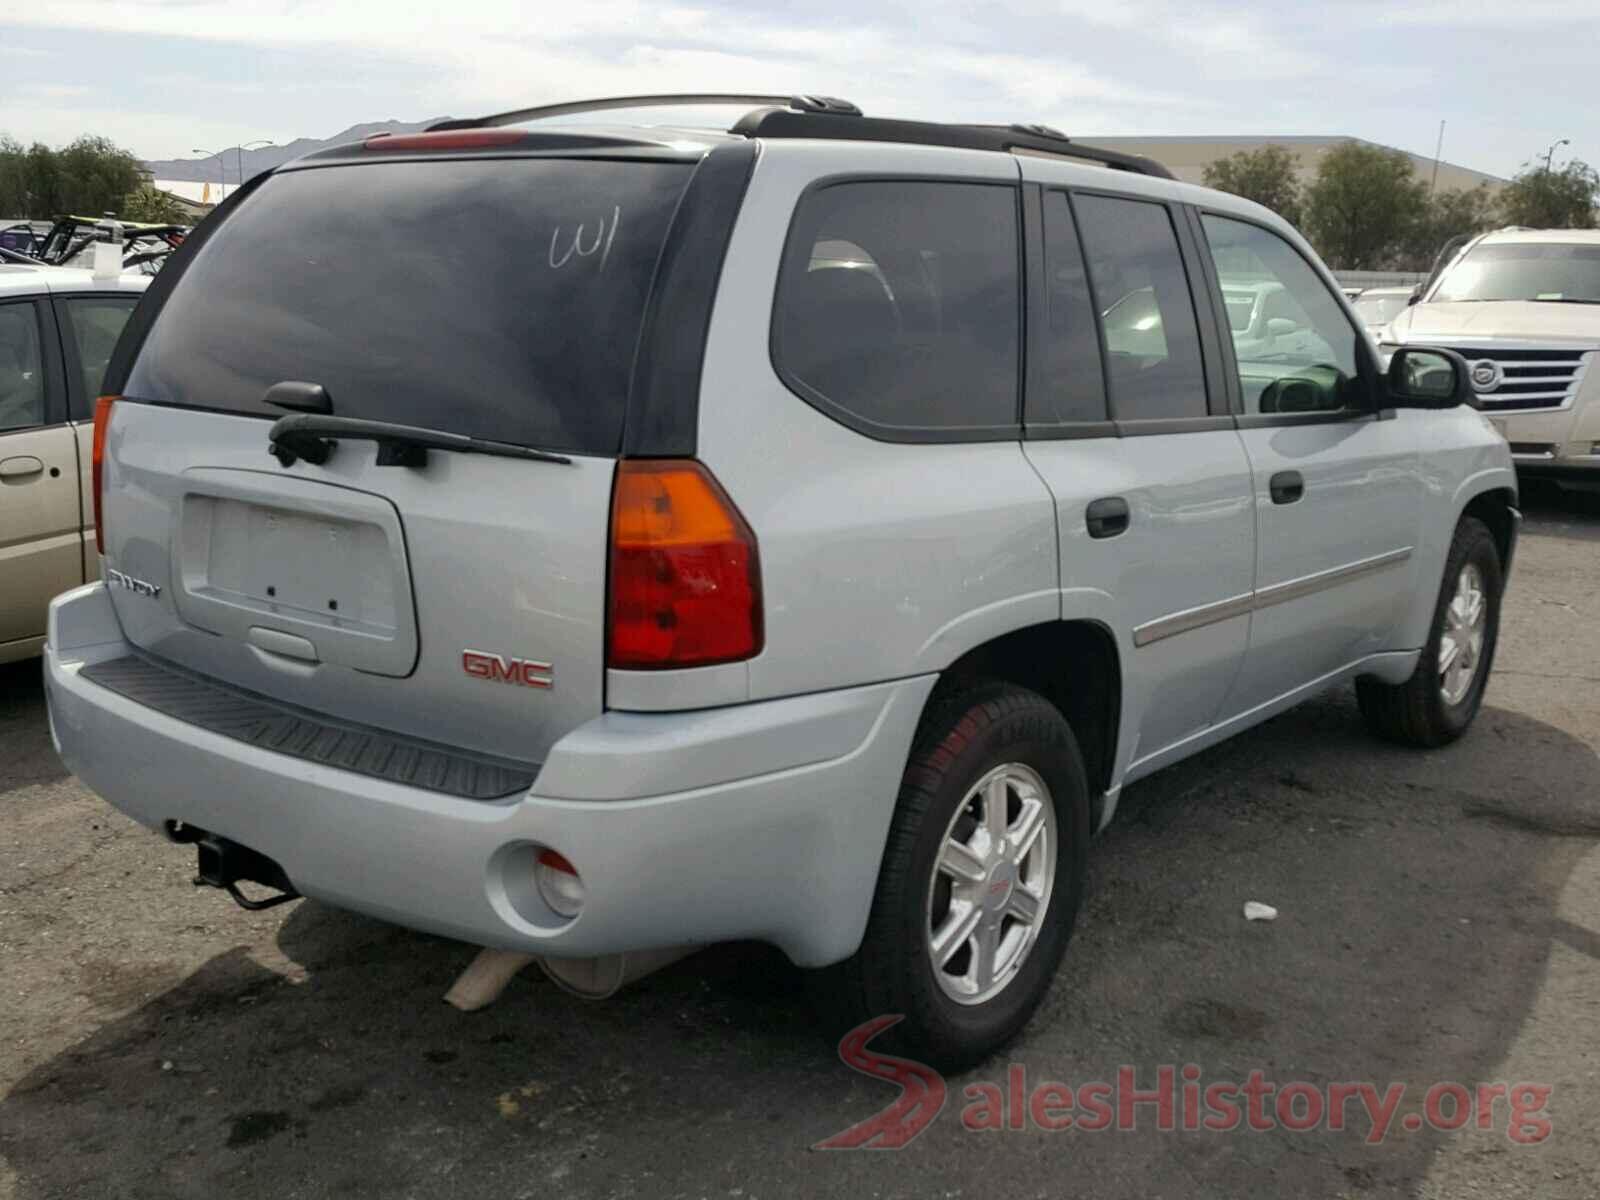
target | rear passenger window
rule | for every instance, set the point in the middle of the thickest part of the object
(21, 367)
(1146, 314)
(94, 324)
(898, 307)
(1066, 387)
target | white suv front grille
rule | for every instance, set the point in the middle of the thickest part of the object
(1524, 380)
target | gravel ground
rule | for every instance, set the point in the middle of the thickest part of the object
(1439, 922)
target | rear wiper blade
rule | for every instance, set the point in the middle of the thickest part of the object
(311, 436)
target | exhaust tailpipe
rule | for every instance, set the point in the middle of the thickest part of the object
(488, 974)
(603, 977)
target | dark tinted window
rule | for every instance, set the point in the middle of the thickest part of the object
(94, 323)
(1067, 385)
(898, 304)
(1294, 345)
(21, 367)
(1146, 313)
(501, 299)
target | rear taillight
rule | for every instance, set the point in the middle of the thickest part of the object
(685, 580)
(97, 457)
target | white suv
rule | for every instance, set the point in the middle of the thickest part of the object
(604, 539)
(1523, 307)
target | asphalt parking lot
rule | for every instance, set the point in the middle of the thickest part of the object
(1439, 923)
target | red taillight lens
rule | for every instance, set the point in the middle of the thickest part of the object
(445, 139)
(97, 456)
(685, 579)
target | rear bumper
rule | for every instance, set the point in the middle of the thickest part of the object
(761, 821)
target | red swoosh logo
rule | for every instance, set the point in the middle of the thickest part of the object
(922, 1093)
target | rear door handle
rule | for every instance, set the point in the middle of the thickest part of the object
(1106, 517)
(1287, 487)
(20, 466)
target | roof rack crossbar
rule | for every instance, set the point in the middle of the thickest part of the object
(818, 105)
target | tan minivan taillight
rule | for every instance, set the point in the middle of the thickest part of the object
(102, 418)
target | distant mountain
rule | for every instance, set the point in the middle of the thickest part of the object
(210, 170)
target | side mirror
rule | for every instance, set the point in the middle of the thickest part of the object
(1415, 297)
(1280, 326)
(1428, 377)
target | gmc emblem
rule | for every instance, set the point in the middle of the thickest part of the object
(496, 668)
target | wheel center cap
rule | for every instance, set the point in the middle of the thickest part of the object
(997, 888)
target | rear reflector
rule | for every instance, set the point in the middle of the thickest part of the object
(685, 585)
(556, 861)
(445, 139)
(558, 884)
(102, 418)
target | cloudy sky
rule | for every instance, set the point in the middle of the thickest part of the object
(164, 76)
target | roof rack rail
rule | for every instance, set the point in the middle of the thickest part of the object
(806, 116)
(816, 105)
(1034, 139)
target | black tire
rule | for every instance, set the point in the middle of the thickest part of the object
(1416, 713)
(962, 738)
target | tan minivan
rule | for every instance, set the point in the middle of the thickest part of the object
(57, 329)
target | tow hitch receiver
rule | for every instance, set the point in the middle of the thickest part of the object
(225, 864)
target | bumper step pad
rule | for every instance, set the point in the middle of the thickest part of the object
(284, 729)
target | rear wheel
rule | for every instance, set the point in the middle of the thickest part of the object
(980, 883)
(1443, 695)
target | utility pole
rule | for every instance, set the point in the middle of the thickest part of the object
(1437, 151)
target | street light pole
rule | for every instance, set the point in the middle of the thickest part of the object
(1549, 155)
(222, 168)
(249, 146)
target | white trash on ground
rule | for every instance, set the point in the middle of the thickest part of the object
(1254, 910)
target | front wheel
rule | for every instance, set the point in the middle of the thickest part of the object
(1443, 695)
(980, 883)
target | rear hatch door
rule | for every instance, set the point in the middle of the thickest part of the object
(456, 597)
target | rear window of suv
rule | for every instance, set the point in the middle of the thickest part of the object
(898, 307)
(501, 299)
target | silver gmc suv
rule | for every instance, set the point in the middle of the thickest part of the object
(587, 539)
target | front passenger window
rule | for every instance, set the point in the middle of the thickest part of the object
(21, 368)
(1295, 347)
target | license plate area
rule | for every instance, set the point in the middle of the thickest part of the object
(323, 564)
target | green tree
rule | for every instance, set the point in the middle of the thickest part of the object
(43, 182)
(1363, 205)
(87, 177)
(151, 204)
(97, 174)
(13, 178)
(1551, 199)
(1448, 214)
(1266, 176)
